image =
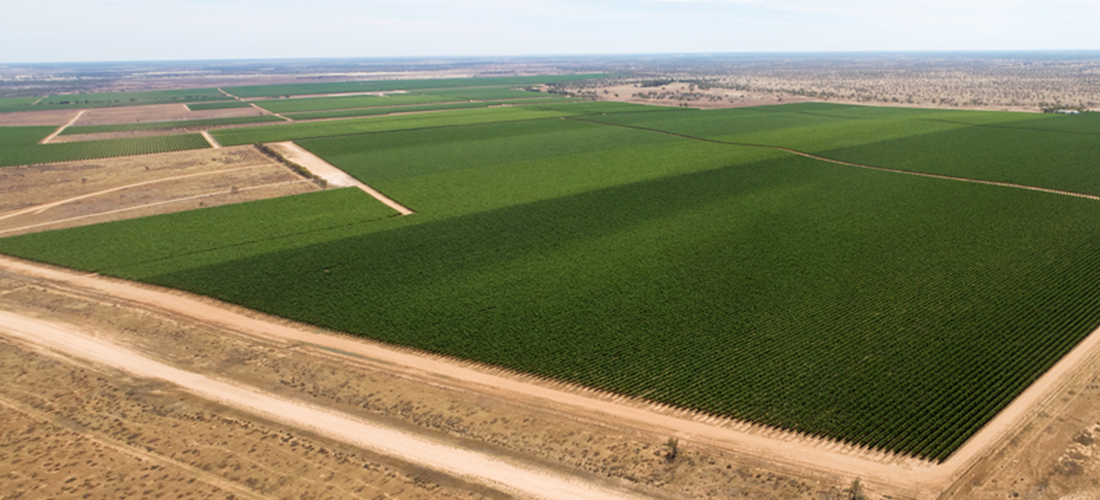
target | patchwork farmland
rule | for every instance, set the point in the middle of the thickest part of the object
(886, 278)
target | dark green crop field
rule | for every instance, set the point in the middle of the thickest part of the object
(443, 106)
(345, 102)
(19, 146)
(204, 106)
(677, 255)
(459, 117)
(110, 99)
(213, 122)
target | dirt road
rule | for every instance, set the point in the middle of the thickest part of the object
(331, 174)
(62, 128)
(47, 206)
(210, 139)
(523, 480)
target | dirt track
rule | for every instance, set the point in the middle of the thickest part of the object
(524, 481)
(331, 174)
(909, 477)
(62, 128)
(77, 193)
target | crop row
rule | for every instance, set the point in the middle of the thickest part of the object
(295, 131)
(213, 122)
(24, 150)
(205, 106)
(886, 310)
(386, 110)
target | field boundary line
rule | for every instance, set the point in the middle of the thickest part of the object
(525, 479)
(332, 174)
(1009, 127)
(62, 128)
(851, 164)
(790, 451)
(210, 139)
(134, 452)
(154, 204)
(265, 110)
(46, 206)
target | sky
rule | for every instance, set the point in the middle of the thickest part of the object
(152, 30)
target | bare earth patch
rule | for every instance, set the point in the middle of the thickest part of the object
(158, 113)
(52, 196)
(55, 117)
(332, 174)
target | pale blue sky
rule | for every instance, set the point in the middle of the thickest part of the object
(119, 30)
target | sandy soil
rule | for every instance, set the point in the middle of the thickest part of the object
(62, 128)
(331, 174)
(36, 118)
(229, 443)
(60, 195)
(676, 94)
(520, 479)
(1054, 455)
(159, 113)
(211, 140)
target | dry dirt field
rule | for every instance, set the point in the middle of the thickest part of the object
(158, 113)
(52, 196)
(679, 93)
(56, 117)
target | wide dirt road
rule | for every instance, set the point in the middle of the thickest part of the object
(522, 480)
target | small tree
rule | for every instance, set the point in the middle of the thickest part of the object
(673, 446)
(855, 492)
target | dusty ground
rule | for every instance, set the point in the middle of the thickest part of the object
(1054, 456)
(333, 176)
(37, 118)
(158, 113)
(157, 419)
(678, 93)
(52, 196)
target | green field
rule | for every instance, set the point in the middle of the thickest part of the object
(213, 122)
(359, 101)
(295, 131)
(389, 85)
(110, 99)
(348, 113)
(205, 106)
(19, 146)
(676, 255)
(16, 104)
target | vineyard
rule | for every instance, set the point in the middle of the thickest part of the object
(386, 110)
(343, 102)
(295, 131)
(110, 99)
(675, 255)
(19, 146)
(168, 125)
(206, 106)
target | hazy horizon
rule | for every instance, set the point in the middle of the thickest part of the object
(70, 31)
